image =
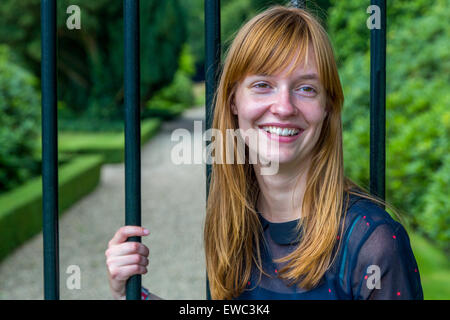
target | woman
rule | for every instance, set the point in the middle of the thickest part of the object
(306, 231)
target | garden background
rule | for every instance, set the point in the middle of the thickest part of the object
(90, 103)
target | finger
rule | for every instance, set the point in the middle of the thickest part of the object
(127, 248)
(125, 272)
(128, 231)
(127, 260)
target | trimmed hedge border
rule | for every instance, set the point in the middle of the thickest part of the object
(21, 208)
(110, 145)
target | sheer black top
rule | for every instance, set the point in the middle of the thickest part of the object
(374, 260)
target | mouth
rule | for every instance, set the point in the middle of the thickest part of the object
(282, 132)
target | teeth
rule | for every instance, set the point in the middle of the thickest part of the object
(281, 131)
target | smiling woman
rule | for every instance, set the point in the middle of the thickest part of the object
(306, 231)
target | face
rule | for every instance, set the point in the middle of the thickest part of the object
(281, 109)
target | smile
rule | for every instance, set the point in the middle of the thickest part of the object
(286, 132)
(282, 134)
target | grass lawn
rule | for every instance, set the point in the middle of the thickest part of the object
(434, 268)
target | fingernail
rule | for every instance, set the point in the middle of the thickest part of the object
(145, 231)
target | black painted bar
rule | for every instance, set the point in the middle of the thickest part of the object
(132, 130)
(378, 104)
(49, 150)
(212, 71)
(212, 64)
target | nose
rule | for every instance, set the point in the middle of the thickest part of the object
(283, 106)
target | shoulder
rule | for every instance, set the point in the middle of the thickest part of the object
(360, 206)
(371, 237)
(366, 215)
(371, 231)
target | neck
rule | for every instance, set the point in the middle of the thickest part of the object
(281, 195)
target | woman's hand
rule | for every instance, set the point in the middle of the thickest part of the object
(125, 259)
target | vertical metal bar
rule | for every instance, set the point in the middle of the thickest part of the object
(132, 130)
(49, 150)
(212, 65)
(378, 104)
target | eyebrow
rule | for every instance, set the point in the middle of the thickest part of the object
(307, 76)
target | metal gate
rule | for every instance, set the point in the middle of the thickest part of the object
(132, 122)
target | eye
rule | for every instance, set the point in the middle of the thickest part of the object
(308, 90)
(261, 85)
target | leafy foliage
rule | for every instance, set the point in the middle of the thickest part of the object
(19, 122)
(418, 120)
(348, 18)
(170, 101)
(90, 60)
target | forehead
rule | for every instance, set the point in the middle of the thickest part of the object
(306, 68)
(298, 65)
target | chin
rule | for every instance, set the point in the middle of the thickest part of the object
(279, 158)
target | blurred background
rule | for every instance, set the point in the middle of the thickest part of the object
(91, 141)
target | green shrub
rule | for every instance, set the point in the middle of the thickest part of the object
(417, 116)
(347, 23)
(19, 122)
(170, 101)
(90, 60)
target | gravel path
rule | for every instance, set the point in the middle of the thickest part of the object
(173, 209)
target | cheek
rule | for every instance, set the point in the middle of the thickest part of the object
(314, 113)
(249, 112)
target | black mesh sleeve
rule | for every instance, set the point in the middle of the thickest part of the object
(385, 267)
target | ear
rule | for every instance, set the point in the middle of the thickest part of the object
(327, 110)
(233, 107)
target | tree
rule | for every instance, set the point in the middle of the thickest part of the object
(90, 60)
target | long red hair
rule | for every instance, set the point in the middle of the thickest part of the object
(265, 44)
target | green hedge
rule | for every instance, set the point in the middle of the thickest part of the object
(21, 208)
(110, 144)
